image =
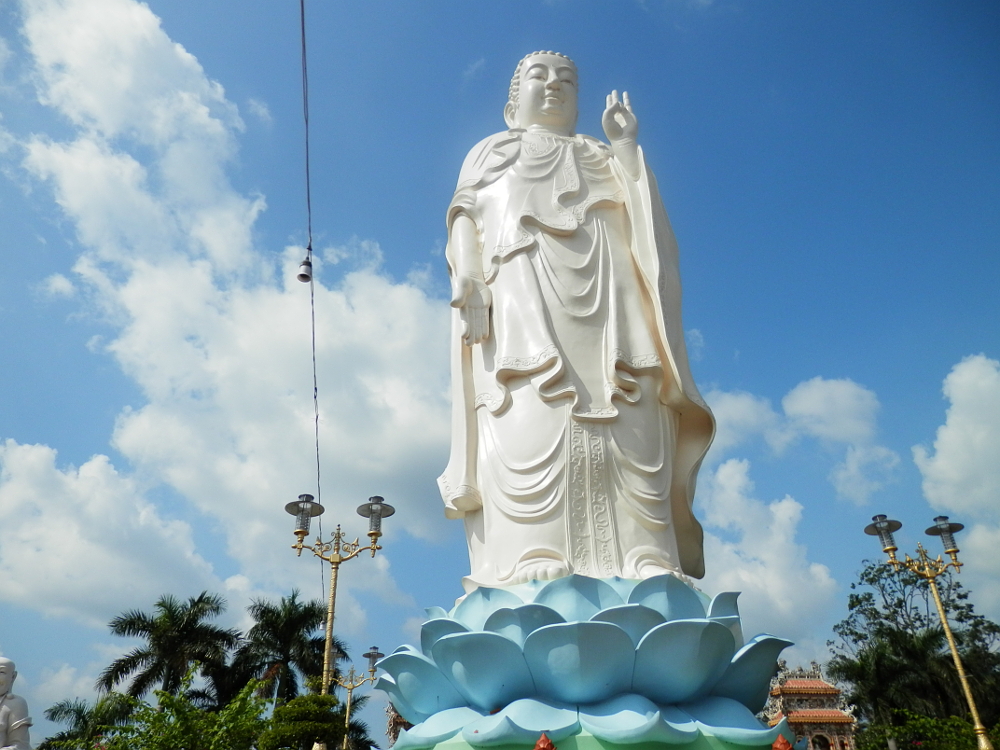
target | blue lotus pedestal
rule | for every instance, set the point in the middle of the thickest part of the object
(592, 663)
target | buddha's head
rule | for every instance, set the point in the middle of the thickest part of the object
(7, 674)
(543, 94)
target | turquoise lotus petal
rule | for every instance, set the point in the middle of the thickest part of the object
(724, 605)
(578, 598)
(623, 586)
(473, 610)
(723, 610)
(634, 619)
(420, 684)
(681, 660)
(521, 723)
(748, 677)
(669, 596)
(438, 728)
(434, 630)
(631, 718)
(435, 613)
(488, 669)
(406, 648)
(388, 685)
(581, 662)
(518, 622)
(731, 721)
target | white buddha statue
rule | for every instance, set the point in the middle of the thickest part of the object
(14, 719)
(577, 429)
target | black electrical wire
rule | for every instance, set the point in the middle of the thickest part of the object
(309, 258)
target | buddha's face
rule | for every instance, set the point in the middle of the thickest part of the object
(7, 675)
(547, 94)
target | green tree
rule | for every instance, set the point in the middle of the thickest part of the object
(176, 635)
(87, 722)
(303, 721)
(177, 723)
(922, 732)
(286, 644)
(892, 653)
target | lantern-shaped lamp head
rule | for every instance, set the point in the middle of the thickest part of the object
(375, 510)
(303, 509)
(305, 273)
(373, 656)
(946, 531)
(883, 527)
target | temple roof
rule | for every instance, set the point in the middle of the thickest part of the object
(805, 686)
(814, 716)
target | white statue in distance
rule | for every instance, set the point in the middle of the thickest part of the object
(577, 429)
(14, 719)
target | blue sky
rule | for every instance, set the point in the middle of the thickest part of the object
(830, 171)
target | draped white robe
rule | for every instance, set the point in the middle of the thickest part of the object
(577, 429)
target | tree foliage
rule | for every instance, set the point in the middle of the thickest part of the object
(892, 653)
(177, 723)
(88, 723)
(176, 636)
(911, 730)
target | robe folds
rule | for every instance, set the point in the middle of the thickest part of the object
(577, 429)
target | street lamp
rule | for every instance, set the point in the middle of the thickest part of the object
(335, 552)
(352, 681)
(929, 569)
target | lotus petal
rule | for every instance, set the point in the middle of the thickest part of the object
(723, 610)
(732, 722)
(581, 662)
(420, 684)
(669, 596)
(518, 622)
(434, 630)
(521, 723)
(634, 619)
(623, 586)
(578, 598)
(724, 605)
(631, 718)
(438, 728)
(388, 685)
(681, 660)
(473, 610)
(748, 677)
(488, 669)
(406, 648)
(526, 591)
(435, 613)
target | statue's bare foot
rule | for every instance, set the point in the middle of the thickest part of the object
(539, 570)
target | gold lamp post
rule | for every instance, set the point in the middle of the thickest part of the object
(929, 569)
(336, 551)
(352, 681)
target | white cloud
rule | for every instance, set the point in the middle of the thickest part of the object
(260, 110)
(58, 285)
(962, 475)
(838, 413)
(217, 338)
(695, 343)
(63, 682)
(783, 592)
(837, 410)
(473, 69)
(84, 542)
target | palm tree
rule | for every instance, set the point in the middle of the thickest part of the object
(226, 678)
(87, 723)
(899, 670)
(176, 636)
(285, 643)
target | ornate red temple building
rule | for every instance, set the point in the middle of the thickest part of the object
(814, 708)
